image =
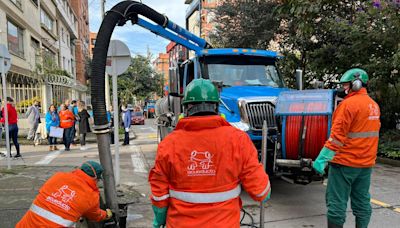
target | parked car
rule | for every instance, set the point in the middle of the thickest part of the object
(137, 118)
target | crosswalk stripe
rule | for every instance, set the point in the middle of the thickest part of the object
(49, 157)
(137, 161)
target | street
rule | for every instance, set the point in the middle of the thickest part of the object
(290, 205)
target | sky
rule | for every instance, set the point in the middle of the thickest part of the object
(135, 37)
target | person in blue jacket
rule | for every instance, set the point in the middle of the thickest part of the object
(126, 118)
(52, 120)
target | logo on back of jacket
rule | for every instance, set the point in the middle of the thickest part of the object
(61, 197)
(373, 112)
(201, 164)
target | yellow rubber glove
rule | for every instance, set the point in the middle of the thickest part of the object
(109, 214)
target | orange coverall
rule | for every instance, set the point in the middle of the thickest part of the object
(355, 131)
(199, 170)
(62, 200)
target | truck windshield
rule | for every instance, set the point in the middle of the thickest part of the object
(245, 75)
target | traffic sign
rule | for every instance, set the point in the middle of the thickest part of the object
(118, 58)
(5, 58)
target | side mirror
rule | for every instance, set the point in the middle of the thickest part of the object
(299, 79)
(174, 82)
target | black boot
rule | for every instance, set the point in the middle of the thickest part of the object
(332, 225)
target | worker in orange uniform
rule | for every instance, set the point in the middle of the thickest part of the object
(201, 166)
(66, 197)
(351, 151)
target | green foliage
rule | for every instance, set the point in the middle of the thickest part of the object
(140, 81)
(326, 38)
(239, 24)
(389, 144)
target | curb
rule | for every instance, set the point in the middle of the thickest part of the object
(388, 161)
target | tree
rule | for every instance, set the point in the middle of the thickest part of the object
(139, 81)
(244, 24)
(326, 38)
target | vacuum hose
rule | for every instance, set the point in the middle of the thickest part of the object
(118, 15)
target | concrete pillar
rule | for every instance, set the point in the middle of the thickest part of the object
(47, 94)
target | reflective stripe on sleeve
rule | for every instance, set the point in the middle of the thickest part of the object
(265, 190)
(216, 197)
(365, 134)
(335, 141)
(156, 198)
(51, 216)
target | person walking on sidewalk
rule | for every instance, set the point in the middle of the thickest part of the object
(126, 119)
(33, 116)
(66, 197)
(12, 124)
(84, 127)
(52, 120)
(351, 151)
(200, 167)
(110, 118)
(67, 122)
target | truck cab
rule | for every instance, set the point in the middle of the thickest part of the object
(248, 81)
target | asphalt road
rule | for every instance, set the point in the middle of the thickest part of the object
(290, 205)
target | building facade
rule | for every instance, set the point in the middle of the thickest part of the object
(161, 66)
(82, 44)
(40, 36)
(92, 42)
(199, 17)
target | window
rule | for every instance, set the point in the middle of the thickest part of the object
(46, 20)
(17, 3)
(62, 34)
(35, 2)
(64, 63)
(15, 39)
(93, 41)
(67, 40)
(35, 50)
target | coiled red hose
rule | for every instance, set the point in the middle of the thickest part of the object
(316, 131)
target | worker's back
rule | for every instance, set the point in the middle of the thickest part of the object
(62, 200)
(358, 130)
(203, 165)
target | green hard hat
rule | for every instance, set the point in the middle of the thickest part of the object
(92, 169)
(200, 90)
(354, 73)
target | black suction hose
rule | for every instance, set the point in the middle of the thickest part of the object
(118, 15)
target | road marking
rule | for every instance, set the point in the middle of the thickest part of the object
(385, 205)
(49, 157)
(137, 161)
(152, 136)
(380, 203)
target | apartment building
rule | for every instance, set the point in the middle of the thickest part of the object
(82, 43)
(92, 42)
(41, 37)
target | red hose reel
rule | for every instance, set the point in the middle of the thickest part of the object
(315, 127)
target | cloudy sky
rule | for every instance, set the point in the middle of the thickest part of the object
(137, 38)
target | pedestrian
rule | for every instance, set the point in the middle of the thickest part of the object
(52, 120)
(351, 151)
(74, 109)
(84, 127)
(66, 197)
(110, 118)
(199, 168)
(67, 122)
(12, 124)
(126, 119)
(33, 116)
